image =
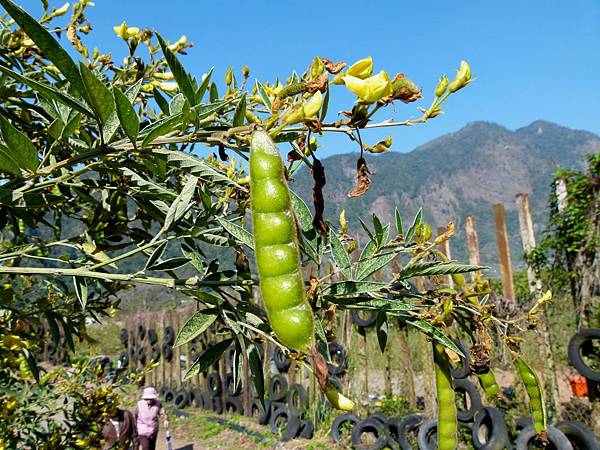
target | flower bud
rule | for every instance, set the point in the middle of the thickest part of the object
(245, 71)
(60, 11)
(313, 105)
(441, 87)
(381, 146)
(463, 77)
(370, 90)
(404, 89)
(229, 76)
(317, 68)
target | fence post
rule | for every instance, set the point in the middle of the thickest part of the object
(504, 252)
(535, 288)
(472, 244)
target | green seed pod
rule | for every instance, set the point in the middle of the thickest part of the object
(463, 77)
(535, 393)
(276, 247)
(488, 383)
(447, 422)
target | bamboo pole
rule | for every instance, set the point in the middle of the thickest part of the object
(472, 244)
(535, 288)
(504, 252)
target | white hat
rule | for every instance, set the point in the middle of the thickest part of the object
(150, 394)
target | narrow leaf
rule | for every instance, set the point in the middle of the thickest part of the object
(161, 128)
(369, 266)
(264, 96)
(427, 268)
(207, 358)
(8, 163)
(240, 113)
(182, 77)
(303, 214)
(128, 118)
(353, 287)
(98, 95)
(81, 290)
(340, 255)
(256, 369)
(156, 255)
(203, 86)
(434, 333)
(181, 204)
(411, 230)
(22, 151)
(399, 226)
(195, 326)
(242, 235)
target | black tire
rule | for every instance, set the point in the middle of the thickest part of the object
(141, 332)
(216, 404)
(307, 429)
(124, 337)
(382, 418)
(474, 400)
(523, 422)
(233, 405)
(282, 416)
(461, 370)
(340, 423)
(278, 388)
(427, 435)
(155, 355)
(363, 322)
(214, 385)
(230, 386)
(579, 435)
(167, 352)
(206, 401)
(168, 396)
(399, 430)
(339, 362)
(282, 362)
(229, 357)
(182, 399)
(577, 346)
(152, 336)
(262, 413)
(557, 440)
(337, 383)
(51, 349)
(297, 399)
(193, 353)
(374, 427)
(195, 398)
(489, 430)
(169, 336)
(141, 355)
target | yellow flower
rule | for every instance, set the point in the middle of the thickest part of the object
(372, 89)
(125, 32)
(381, 146)
(303, 111)
(14, 342)
(313, 105)
(82, 443)
(363, 68)
(179, 44)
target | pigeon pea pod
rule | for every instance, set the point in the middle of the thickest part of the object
(447, 421)
(276, 246)
(488, 383)
(535, 393)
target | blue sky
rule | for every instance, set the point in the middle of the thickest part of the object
(537, 59)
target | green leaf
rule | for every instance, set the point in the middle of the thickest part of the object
(322, 345)
(391, 306)
(176, 104)
(264, 96)
(81, 290)
(197, 167)
(353, 287)
(399, 226)
(207, 358)
(170, 264)
(156, 255)
(203, 111)
(203, 86)
(242, 235)
(368, 267)
(325, 106)
(160, 128)
(98, 95)
(49, 92)
(50, 48)
(182, 203)
(240, 113)
(303, 214)
(256, 369)
(161, 101)
(22, 151)
(8, 163)
(340, 255)
(427, 268)
(214, 93)
(434, 333)
(128, 118)
(195, 326)
(411, 230)
(145, 186)
(182, 77)
(382, 330)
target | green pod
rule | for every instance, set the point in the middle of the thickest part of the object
(447, 422)
(488, 383)
(276, 246)
(535, 393)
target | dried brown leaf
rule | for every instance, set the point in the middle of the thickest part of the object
(363, 183)
(318, 174)
(332, 67)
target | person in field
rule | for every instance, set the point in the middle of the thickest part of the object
(146, 413)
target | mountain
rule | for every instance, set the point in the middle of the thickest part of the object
(457, 174)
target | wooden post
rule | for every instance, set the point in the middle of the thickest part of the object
(535, 288)
(504, 252)
(445, 250)
(472, 244)
(161, 340)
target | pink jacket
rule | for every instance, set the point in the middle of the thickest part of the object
(147, 417)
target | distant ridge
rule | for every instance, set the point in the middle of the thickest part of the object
(460, 173)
